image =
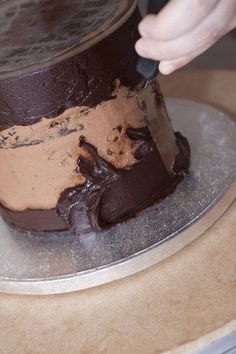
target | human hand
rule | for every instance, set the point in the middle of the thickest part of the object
(183, 30)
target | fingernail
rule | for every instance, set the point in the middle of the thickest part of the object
(166, 68)
(139, 48)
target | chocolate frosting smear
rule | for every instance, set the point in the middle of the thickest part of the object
(112, 195)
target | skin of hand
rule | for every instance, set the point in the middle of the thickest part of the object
(183, 30)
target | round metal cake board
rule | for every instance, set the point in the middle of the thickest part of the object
(50, 263)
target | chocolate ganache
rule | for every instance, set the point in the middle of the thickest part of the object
(110, 196)
(83, 79)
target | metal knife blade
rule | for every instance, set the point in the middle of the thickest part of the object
(158, 122)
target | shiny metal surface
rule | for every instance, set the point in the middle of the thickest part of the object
(222, 346)
(33, 263)
(159, 126)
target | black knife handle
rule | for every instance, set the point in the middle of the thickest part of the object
(149, 68)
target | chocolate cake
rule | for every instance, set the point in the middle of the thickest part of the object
(75, 149)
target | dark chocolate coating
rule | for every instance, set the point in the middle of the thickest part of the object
(39, 220)
(35, 31)
(80, 206)
(122, 193)
(86, 79)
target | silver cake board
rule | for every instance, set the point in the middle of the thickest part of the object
(53, 263)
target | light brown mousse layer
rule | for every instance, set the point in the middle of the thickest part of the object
(38, 162)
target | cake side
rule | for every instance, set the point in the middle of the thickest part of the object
(48, 160)
(75, 150)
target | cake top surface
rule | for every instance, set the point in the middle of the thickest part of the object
(35, 32)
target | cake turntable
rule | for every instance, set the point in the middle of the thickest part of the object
(35, 263)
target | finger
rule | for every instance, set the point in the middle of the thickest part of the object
(232, 25)
(177, 18)
(169, 51)
(168, 67)
(207, 33)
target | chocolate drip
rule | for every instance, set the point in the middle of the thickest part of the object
(83, 202)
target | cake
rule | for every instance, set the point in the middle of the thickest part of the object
(75, 149)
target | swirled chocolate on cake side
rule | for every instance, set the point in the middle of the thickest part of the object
(75, 149)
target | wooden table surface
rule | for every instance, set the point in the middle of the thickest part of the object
(185, 297)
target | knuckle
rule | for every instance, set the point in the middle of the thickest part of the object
(208, 35)
(205, 7)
